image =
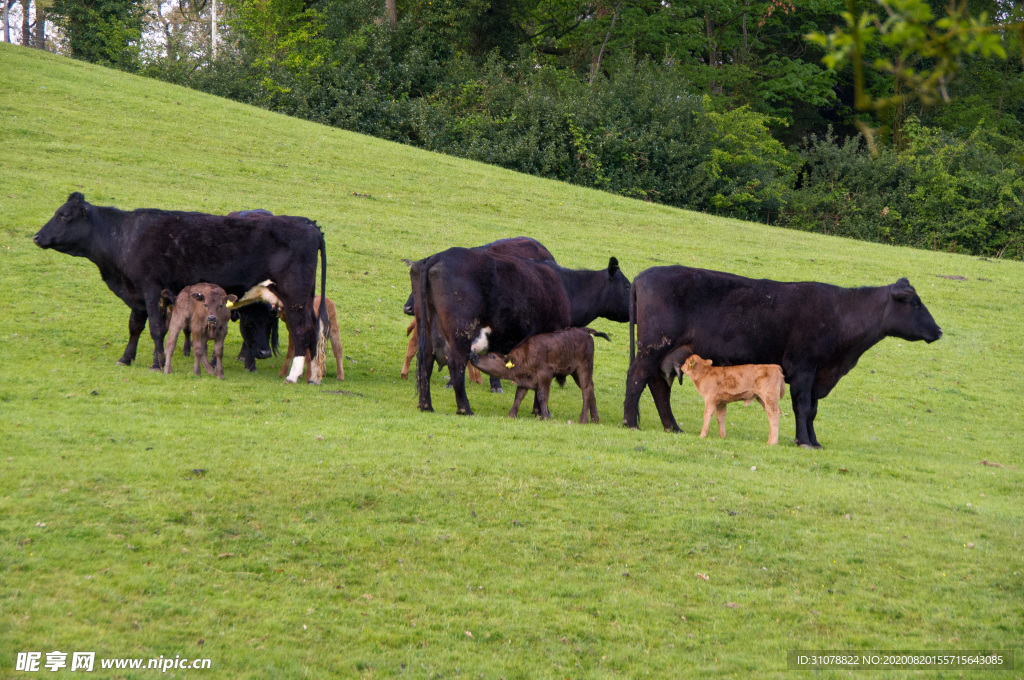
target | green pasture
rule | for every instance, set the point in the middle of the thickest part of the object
(293, 531)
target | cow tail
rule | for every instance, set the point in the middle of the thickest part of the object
(598, 334)
(632, 322)
(274, 337)
(322, 322)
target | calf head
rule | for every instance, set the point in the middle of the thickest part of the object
(906, 316)
(493, 363)
(210, 308)
(695, 367)
(69, 231)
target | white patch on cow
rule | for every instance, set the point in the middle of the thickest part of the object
(260, 293)
(480, 344)
(298, 366)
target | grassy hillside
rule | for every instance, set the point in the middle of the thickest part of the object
(297, 531)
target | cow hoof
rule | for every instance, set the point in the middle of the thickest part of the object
(497, 390)
(466, 412)
(810, 446)
(427, 408)
(124, 362)
(251, 370)
(314, 382)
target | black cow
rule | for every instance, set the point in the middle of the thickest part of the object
(519, 246)
(142, 252)
(491, 301)
(815, 331)
(258, 326)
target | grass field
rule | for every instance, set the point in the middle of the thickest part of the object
(287, 531)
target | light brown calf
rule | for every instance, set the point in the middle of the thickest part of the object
(720, 385)
(332, 329)
(201, 308)
(410, 353)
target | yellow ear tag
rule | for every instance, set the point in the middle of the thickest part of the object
(509, 364)
(229, 303)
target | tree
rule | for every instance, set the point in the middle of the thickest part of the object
(103, 31)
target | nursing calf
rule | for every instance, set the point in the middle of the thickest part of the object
(721, 385)
(202, 309)
(534, 362)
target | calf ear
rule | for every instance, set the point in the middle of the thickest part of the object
(613, 266)
(232, 297)
(198, 296)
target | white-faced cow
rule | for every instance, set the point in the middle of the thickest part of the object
(491, 301)
(142, 252)
(815, 331)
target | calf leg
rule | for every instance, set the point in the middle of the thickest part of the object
(771, 407)
(543, 392)
(200, 346)
(218, 356)
(136, 324)
(170, 344)
(709, 410)
(339, 352)
(720, 413)
(520, 393)
(410, 350)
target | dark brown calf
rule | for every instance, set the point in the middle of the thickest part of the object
(410, 353)
(202, 308)
(533, 363)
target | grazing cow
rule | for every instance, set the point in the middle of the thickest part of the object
(335, 335)
(202, 308)
(721, 385)
(256, 212)
(815, 331)
(533, 363)
(497, 301)
(410, 352)
(143, 252)
(517, 246)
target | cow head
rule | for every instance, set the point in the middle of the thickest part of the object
(615, 294)
(258, 324)
(906, 316)
(69, 230)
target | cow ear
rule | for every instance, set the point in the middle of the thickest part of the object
(198, 296)
(613, 266)
(76, 197)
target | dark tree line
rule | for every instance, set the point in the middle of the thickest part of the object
(905, 125)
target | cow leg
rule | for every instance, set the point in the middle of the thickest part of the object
(157, 330)
(662, 393)
(800, 395)
(289, 355)
(302, 325)
(520, 393)
(495, 384)
(424, 369)
(720, 414)
(812, 414)
(136, 324)
(457, 362)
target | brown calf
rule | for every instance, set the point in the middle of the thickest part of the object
(202, 308)
(720, 385)
(533, 363)
(410, 352)
(335, 334)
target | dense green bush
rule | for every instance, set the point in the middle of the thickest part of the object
(943, 193)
